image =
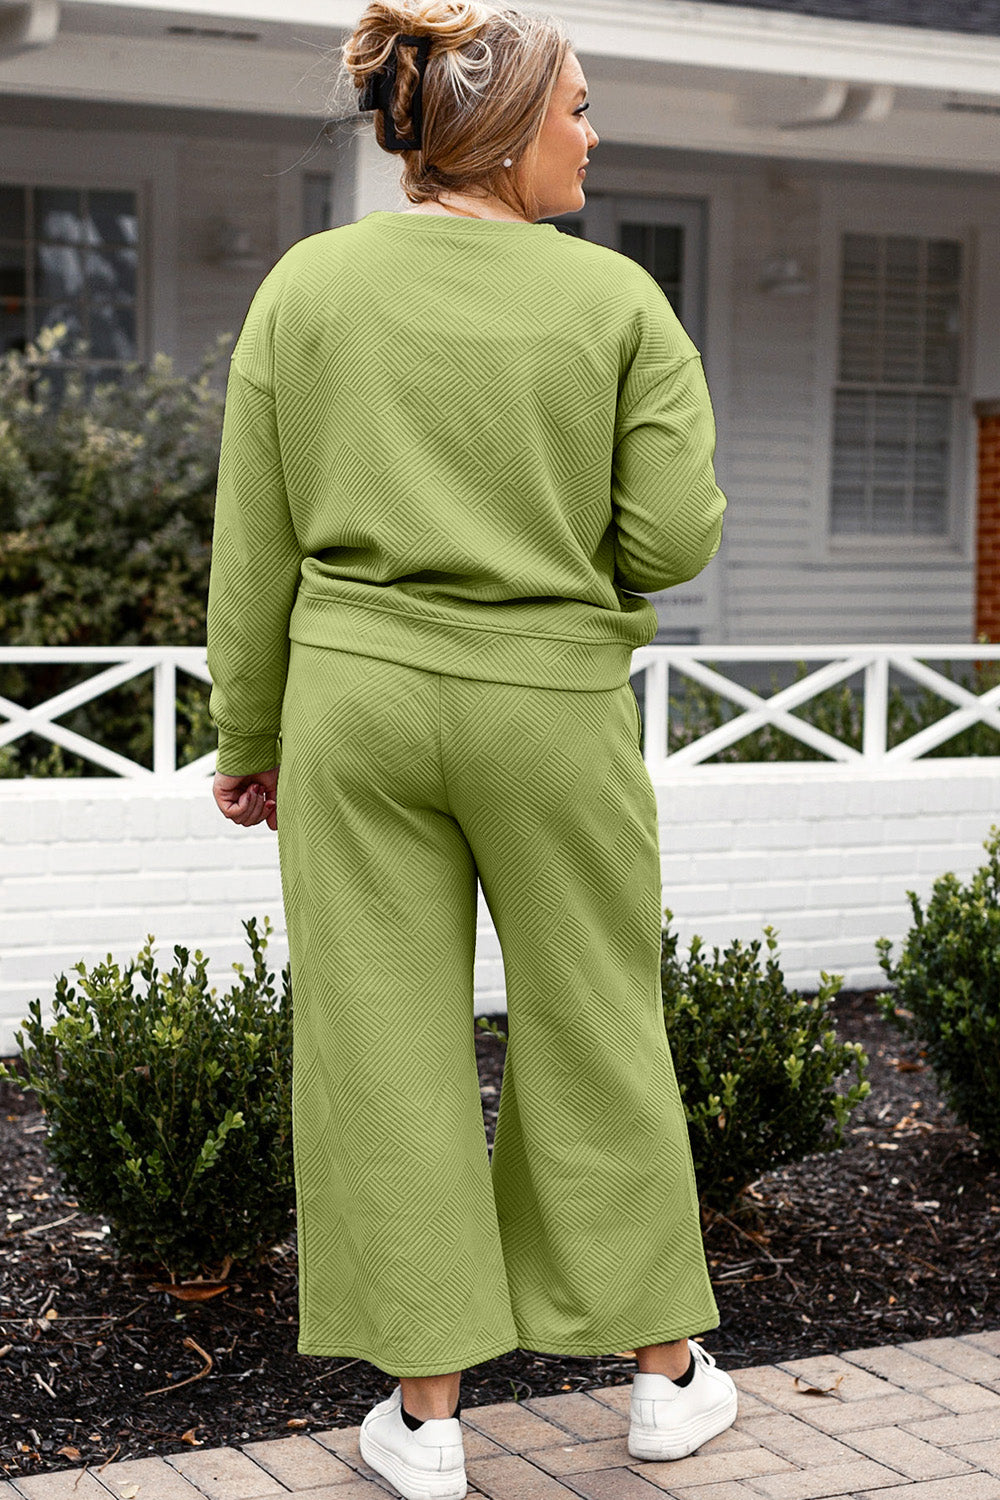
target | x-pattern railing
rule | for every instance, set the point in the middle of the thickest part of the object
(124, 664)
(835, 664)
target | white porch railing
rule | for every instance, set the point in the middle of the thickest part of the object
(121, 664)
(834, 664)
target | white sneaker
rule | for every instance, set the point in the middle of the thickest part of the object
(671, 1421)
(426, 1464)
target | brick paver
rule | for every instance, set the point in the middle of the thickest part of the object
(513, 1478)
(705, 1467)
(983, 1455)
(729, 1489)
(299, 1463)
(965, 1487)
(796, 1440)
(154, 1476)
(618, 1397)
(913, 1422)
(67, 1484)
(910, 1455)
(574, 1458)
(226, 1474)
(614, 1484)
(988, 1341)
(580, 1414)
(900, 1365)
(514, 1426)
(750, 1405)
(837, 1417)
(947, 1432)
(826, 1479)
(774, 1387)
(960, 1358)
(825, 1370)
(359, 1489)
(963, 1397)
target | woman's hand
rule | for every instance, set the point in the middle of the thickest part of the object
(248, 799)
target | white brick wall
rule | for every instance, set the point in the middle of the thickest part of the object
(823, 853)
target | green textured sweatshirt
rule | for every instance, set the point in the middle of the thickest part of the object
(465, 445)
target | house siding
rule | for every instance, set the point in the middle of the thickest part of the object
(784, 582)
(780, 580)
(221, 179)
(768, 358)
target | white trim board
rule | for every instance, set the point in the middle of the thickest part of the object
(699, 35)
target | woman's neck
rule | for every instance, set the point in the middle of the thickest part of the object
(484, 209)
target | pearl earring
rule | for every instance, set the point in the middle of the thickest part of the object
(508, 162)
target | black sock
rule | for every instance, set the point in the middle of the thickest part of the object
(414, 1422)
(688, 1375)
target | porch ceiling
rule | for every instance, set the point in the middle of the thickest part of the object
(662, 72)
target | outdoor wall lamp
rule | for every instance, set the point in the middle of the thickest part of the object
(230, 247)
(782, 276)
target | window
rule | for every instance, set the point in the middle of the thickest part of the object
(317, 202)
(897, 395)
(70, 255)
(660, 248)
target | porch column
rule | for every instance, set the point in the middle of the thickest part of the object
(988, 522)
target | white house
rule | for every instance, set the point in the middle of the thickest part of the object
(815, 185)
(813, 182)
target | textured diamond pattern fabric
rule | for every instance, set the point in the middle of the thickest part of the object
(399, 788)
(467, 446)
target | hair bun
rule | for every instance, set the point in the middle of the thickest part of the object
(490, 73)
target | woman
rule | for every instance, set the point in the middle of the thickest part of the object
(458, 446)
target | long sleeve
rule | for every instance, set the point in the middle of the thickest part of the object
(256, 561)
(667, 506)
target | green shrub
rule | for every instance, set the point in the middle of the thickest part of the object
(169, 1108)
(945, 990)
(107, 496)
(756, 1063)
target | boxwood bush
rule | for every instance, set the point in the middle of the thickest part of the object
(107, 496)
(757, 1064)
(945, 990)
(169, 1107)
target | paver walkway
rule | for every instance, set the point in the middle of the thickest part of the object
(917, 1421)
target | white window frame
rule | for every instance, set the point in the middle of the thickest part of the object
(937, 214)
(113, 161)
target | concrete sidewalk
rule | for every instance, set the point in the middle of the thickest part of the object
(917, 1421)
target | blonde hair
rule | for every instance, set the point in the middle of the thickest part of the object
(488, 81)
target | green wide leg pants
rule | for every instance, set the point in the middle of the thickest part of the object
(398, 788)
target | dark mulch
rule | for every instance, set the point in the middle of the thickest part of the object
(893, 1238)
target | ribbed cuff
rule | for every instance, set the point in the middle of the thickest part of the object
(246, 754)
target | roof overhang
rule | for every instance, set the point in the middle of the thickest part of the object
(675, 73)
